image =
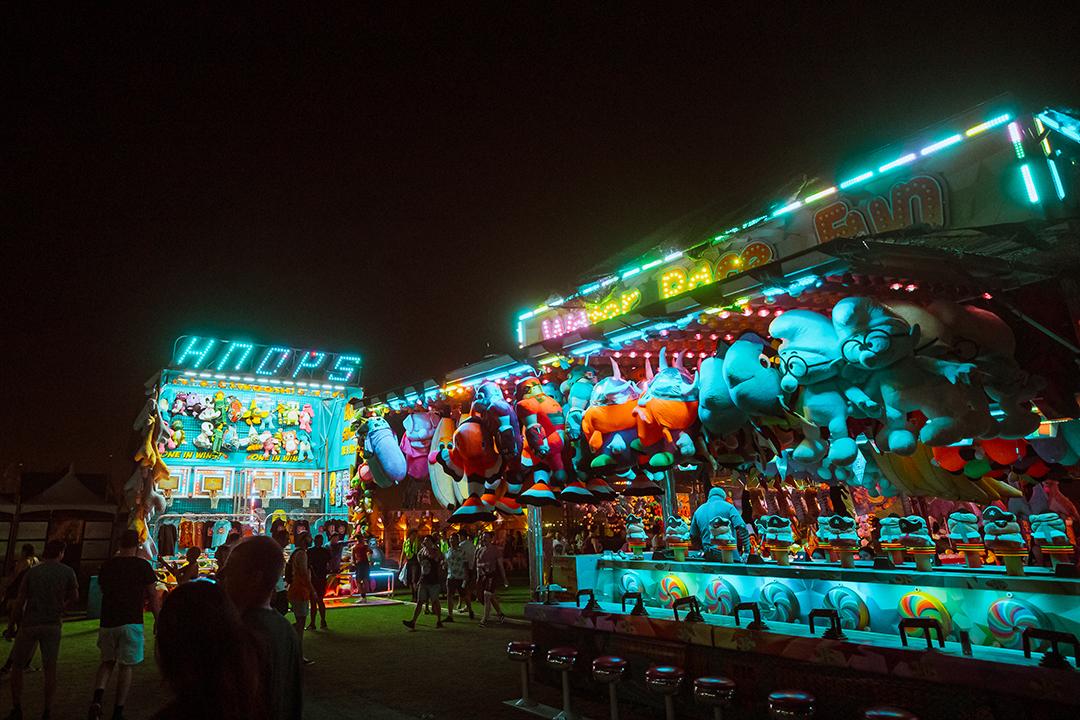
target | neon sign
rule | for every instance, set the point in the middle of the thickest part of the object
(210, 355)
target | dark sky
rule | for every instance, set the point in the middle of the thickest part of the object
(402, 182)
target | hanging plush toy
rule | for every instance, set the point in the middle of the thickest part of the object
(288, 413)
(269, 444)
(307, 414)
(416, 442)
(179, 405)
(542, 424)
(236, 409)
(501, 422)
(610, 426)
(383, 455)
(221, 406)
(666, 414)
(961, 333)
(231, 441)
(446, 478)
(219, 437)
(303, 446)
(254, 415)
(205, 439)
(289, 442)
(473, 451)
(717, 410)
(253, 441)
(878, 340)
(194, 405)
(209, 414)
(178, 435)
(810, 358)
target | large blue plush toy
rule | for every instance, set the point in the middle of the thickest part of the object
(810, 358)
(878, 340)
(717, 410)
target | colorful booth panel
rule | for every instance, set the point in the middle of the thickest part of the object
(853, 612)
(1007, 618)
(177, 485)
(721, 597)
(213, 483)
(303, 484)
(264, 484)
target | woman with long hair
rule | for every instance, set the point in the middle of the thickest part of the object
(409, 561)
(208, 657)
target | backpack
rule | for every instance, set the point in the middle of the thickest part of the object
(288, 571)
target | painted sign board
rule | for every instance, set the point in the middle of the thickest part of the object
(947, 178)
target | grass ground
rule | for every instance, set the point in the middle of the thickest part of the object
(367, 665)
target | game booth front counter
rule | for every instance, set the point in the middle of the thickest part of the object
(948, 643)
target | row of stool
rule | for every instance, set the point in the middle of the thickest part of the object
(711, 691)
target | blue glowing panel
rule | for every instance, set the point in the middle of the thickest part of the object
(235, 359)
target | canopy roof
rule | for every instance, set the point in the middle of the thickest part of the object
(68, 493)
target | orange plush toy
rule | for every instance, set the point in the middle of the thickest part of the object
(473, 451)
(666, 414)
(541, 418)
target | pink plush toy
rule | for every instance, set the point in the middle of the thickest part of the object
(416, 442)
(307, 414)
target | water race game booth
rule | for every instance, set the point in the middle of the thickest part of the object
(244, 437)
(880, 371)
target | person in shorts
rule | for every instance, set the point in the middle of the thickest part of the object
(361, 564)
(319, 558)
(300, 589)
(431, 576)
(47, 589)
(126, 582)
(489, 566)
(457, 573)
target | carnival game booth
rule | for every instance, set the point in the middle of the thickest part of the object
(885, 360)
(242, 437)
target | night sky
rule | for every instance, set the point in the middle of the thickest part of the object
(402, 183)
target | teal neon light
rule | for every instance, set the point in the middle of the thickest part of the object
(788, 208)
(897, 162)
(1016, 137)
(246, 347)
(344, 368)
(284, 355)
(309, 361)
(943, 144)
(191, 350)
(1033, 195)
(1057, 178)
(649, 266)
(859, 179)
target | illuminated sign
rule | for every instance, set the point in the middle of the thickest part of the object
(942, 180)
(210, 357)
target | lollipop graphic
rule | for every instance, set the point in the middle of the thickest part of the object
(852, 610)
(1007, 619)
(720, 596)
(919, 604)
(630, 583)
(778, 603)
(671, 589)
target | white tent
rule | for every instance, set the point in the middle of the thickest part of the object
(67, 493)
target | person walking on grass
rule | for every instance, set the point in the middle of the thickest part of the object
(47, 589)
(361, 564)
(319, 558)
(408, 560)
(298, 576)
(126, 581)
(457, 573)
(431, 577)
(489, 566)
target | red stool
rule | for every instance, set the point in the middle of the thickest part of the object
(610, 670)
(563, 659)
(715, 692)
(665, 680)
(521, 652)
(887, 712)
(791, 704)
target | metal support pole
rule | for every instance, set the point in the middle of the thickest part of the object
(668, 501)
(536, 550)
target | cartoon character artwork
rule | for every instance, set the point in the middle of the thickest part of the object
(810, 359)
(416, 442)
(875, 339)
(610, 426)
(666, 414)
